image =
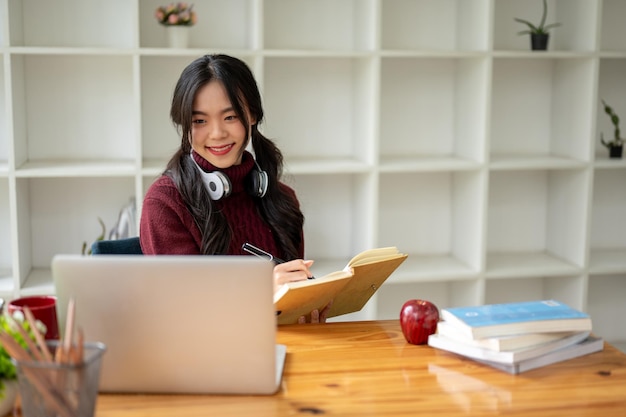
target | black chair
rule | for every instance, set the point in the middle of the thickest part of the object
(126, 246)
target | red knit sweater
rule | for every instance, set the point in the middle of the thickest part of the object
(167, 227)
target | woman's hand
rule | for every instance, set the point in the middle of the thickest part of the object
(296, 270)
(316, 316)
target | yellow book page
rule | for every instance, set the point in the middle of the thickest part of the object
(300, 298)
(373, 255)
(366, 280)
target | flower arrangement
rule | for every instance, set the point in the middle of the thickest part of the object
(7, 368)
(176, 14)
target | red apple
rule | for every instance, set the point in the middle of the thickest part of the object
(418, 320)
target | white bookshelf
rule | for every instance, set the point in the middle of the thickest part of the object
(424, 124)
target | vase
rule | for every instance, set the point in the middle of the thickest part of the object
(539, 41)
(616, 151)
(178, 36)
(9, 394)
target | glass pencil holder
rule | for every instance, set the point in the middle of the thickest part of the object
(52, 389)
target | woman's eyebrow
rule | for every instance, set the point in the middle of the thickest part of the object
(226, 110)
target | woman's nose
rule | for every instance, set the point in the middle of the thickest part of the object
(216, 131)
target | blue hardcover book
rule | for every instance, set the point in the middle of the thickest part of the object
(495, 320)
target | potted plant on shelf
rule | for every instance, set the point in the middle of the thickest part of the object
(177, 19)
(539, 35)
(615, 146)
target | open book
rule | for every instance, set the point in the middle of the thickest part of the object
(349, 289)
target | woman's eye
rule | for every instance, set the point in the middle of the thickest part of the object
(198, 121)
(231, 117)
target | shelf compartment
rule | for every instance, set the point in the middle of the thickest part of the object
(450, 25)
(540, 109)
(75, 23)
(566, 289)
(576, 33)
(334, 120)
(612, 89)
(6, 251)
(608, 232)
(320, 25)
(613, 33)
(66, 212)
(79, 108)
(4, 136)
(607, 261)
(213, 30)
(432, 268)
(38, 282)
(338, 210)
(391, 297)
(606, 306)
(4, 22)
(436, 217)
(7, 287)
(69, 168)
(513, 264)
(398, 164)
(433, 108)
(536, 222)
(515, 162)
(325, 166)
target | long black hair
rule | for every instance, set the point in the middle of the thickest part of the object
(277, 207)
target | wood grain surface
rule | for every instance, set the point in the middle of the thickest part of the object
(368, 369)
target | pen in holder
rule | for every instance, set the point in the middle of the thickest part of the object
(56, 378)
(51, 389)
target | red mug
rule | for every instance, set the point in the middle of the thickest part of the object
(44, 309)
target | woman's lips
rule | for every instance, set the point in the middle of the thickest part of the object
(221, 150)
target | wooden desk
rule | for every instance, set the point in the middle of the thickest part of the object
(367, 368)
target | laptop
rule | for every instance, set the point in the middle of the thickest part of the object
(176, 324)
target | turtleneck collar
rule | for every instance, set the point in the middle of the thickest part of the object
(235, 173)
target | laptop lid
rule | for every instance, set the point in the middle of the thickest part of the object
(176, 324)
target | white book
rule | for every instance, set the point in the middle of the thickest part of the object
(513, 356)
(502, 343)
(590, 345)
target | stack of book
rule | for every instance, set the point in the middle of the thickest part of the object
(516, 337)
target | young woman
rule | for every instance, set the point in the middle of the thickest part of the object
(214, 195)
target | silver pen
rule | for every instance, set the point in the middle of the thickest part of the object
(262, 254)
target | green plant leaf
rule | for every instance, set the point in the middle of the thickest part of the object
(545, 14)
(540, 29)
(550, 26)
(526, 22)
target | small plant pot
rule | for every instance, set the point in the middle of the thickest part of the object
(539, 41)
(616, 151)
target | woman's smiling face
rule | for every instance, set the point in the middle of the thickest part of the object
(217, 133)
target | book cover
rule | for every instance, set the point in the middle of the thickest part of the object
(501, 343)
(349, 289)
(515, 318)
(590, 345)
(513, 356)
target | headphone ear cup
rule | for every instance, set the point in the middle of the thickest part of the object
(263, 183)
(258, 183)
(217, 184)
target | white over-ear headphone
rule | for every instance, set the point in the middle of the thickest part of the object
(218, 184)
